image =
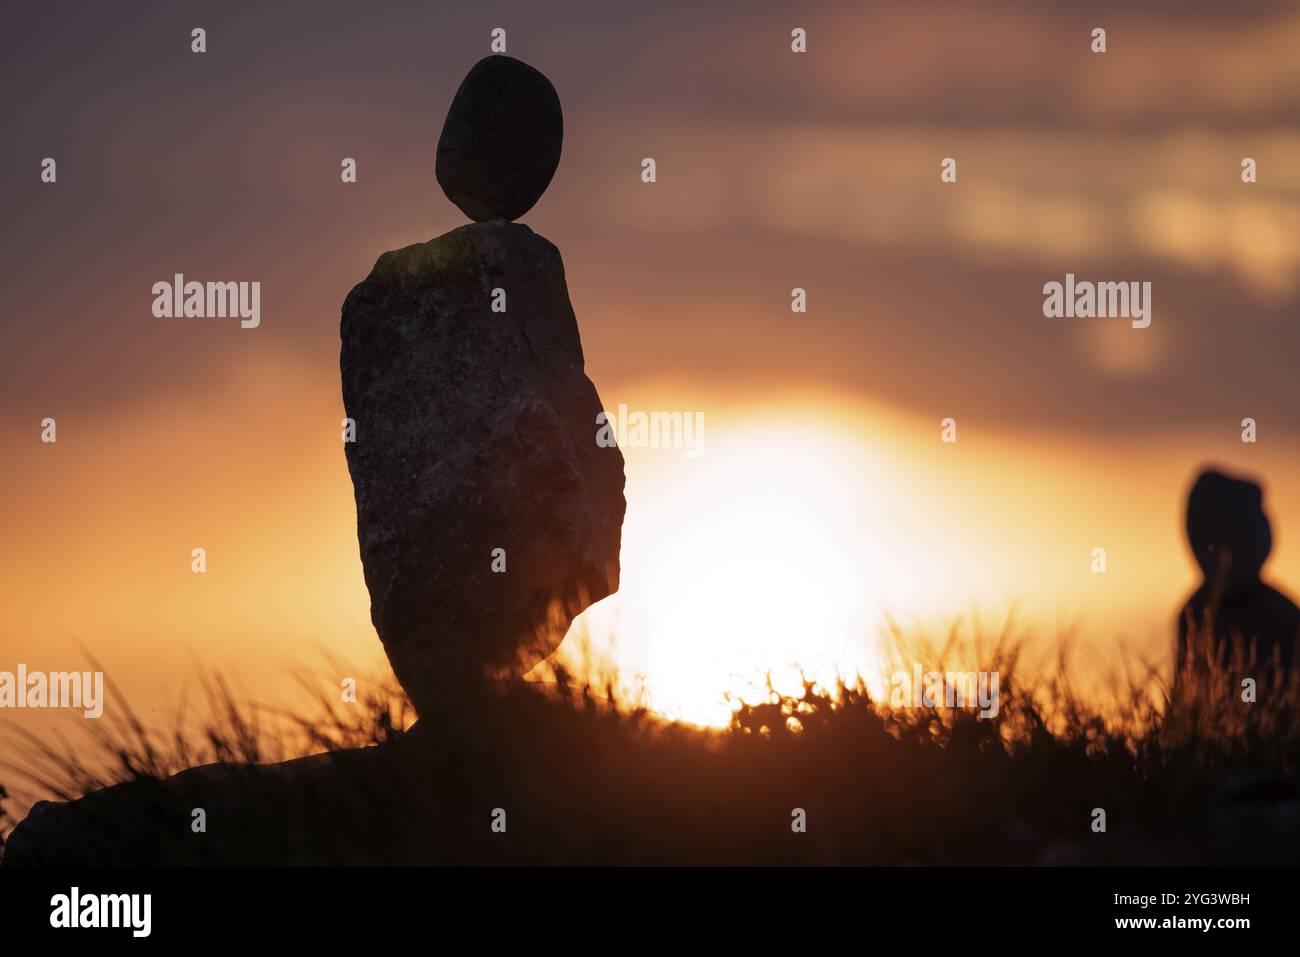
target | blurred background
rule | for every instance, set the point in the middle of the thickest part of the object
(824, 503)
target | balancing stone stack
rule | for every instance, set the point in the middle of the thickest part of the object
(488, 516)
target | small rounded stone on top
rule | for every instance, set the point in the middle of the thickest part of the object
(501, 141)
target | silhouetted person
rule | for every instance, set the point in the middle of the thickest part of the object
(1234, 610)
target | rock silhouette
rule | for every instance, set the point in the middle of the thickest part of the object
(1230, 538)
(488, 517)
(475, 432)
(501, 141)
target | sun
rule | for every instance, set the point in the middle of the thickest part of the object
(771, 553)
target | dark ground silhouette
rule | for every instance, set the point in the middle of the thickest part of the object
(582, 781)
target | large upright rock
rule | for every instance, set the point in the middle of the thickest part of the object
(475, 431)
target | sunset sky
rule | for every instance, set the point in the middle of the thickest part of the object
(824, 499)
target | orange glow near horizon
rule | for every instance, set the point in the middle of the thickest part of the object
(808, 520)
(809, 526)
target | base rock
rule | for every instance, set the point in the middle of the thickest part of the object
(475, 431)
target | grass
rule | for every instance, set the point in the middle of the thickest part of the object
(1186, 776)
